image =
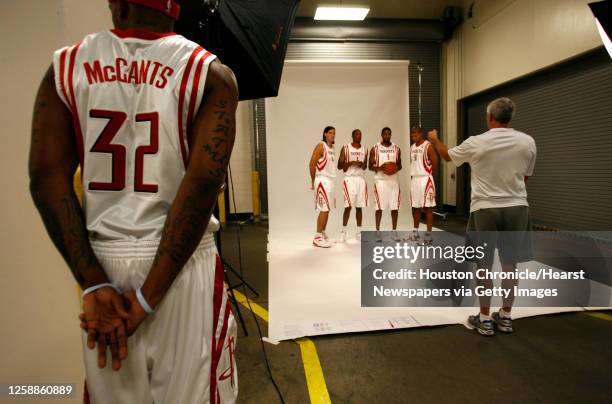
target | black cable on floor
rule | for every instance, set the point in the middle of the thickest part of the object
(263, 346)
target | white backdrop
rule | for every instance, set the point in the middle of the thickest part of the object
(346, 95)
(315, 291)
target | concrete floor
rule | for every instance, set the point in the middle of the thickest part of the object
(563, 358)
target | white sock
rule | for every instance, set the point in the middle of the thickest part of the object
(503, 313)
(484, 317)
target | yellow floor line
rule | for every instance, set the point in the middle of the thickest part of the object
(601, 316)
(317, 388)
(257, 309)
(315, 380)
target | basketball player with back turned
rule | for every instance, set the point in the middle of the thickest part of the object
(150, 118)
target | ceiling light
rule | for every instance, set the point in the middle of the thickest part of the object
(341, 13)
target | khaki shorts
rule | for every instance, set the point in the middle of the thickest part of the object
(508, 229)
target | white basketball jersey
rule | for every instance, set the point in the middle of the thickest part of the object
(133, 95)
(419, 161)
(326, 165)
(353, 154)
(382, 155)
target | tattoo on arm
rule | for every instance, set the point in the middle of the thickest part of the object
(65, 224)
(192, 208)
(183, 229)
(185, 226)
(51, 165)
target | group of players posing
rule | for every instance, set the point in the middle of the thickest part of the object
(385, 160)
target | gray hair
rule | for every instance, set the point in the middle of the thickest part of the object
(501, 109)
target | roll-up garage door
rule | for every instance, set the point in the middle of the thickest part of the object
(567, 109)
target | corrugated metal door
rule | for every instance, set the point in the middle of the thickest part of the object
(567, 111)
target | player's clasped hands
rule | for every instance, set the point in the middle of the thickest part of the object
(109, 318)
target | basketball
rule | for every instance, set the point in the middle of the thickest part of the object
(389, 168)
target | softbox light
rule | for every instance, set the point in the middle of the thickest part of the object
(603, 18)
(250, 36)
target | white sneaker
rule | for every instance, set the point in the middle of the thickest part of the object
(325, 236)
(414, 236)
(396, 236)
(319, 241)
(342, 238)
(358, 235)
(379, 237)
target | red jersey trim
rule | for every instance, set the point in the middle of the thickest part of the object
(140, 34)
(217, 302)
(62, 74)
(322, 160)
(194, 95)
(181, 103)
(321, 191)
(347, 195)
(75, 111)
(377, 198)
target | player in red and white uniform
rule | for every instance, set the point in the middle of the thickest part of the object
(423, 167)
(322, 173)
(386, 161)
(353, 161)
(150, 118)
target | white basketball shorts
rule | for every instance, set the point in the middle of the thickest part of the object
(422, 192)
(387, 194)
(324, 193)
(355, 192)
(182, 353)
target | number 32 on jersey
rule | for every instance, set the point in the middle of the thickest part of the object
(118, 152)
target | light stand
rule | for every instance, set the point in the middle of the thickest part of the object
(227, 268)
